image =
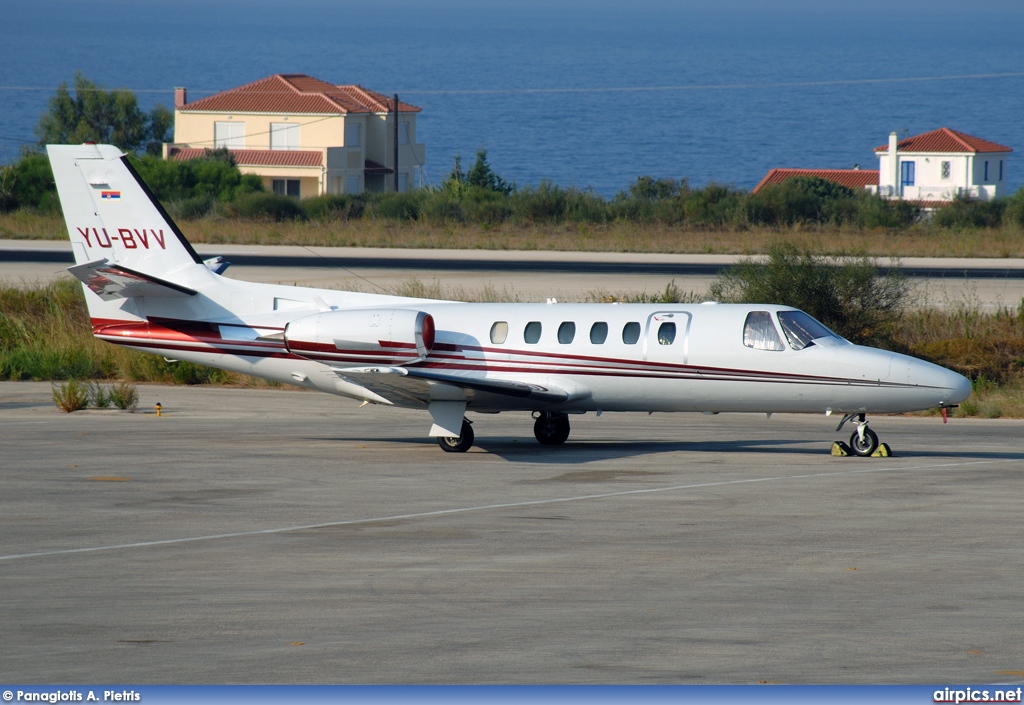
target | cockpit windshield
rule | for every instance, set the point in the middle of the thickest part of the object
(801, 330)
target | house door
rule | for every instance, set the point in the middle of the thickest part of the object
(907, 173)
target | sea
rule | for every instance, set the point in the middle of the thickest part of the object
(582, 94)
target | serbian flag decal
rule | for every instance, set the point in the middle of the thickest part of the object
(110, 194)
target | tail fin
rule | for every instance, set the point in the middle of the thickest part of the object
(112, 215)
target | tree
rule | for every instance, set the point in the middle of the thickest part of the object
(94, 114)
(480, 177)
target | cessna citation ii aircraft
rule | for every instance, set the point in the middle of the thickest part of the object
(147, 289)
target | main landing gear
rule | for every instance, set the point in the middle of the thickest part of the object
(551, 427)
(863, 441)
(458, 444)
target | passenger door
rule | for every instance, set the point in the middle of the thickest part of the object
(667, 338)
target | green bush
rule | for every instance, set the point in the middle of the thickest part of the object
(970, 215)
(267, 206)
(545, 203)
(124, 396)
(396, 206)
(331, 207)
(715, 205)
(191, 208)
(874, 212)
(28, 183)
(71, 396)
(806, 200)
(1014, 213)
(441, 209)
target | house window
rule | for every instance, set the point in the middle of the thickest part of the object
(1000, 169)
(946, 169)
(986, 171)
(286, 187)
(907, 173)
(352, 184)
(284, 135)
(230, 135)
(353, 135)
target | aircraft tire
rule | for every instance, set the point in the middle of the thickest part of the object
(866, 447)
(460, 444)
(551, 428)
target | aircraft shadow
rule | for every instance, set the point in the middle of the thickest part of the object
(576, 452)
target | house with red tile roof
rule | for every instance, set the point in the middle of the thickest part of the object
(940, 166)
(304, 136)
(931, 169)
(850, 178)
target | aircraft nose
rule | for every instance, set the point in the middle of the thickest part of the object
(960, 388)
(953, 387)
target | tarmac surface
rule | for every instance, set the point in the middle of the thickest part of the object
(278, 536)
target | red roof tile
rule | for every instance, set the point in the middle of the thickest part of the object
(945, 140)
(256, 157)
(296, 93)
(850, 178)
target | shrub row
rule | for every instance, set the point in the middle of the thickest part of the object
(197, 188)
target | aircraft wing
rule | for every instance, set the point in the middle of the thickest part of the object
(114, 281)
(422, 385)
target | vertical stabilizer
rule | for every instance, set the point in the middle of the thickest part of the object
(111, 213)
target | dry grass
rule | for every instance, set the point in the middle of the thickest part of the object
(612, 237)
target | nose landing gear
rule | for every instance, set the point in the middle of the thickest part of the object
(863, 441)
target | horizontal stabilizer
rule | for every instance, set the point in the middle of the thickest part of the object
(417, 383)
(114, 281)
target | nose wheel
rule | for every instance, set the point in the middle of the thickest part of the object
(863, 441)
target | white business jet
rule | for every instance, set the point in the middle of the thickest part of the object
(147, 289)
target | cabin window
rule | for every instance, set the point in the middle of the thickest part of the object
(566, 332)
(801, 330)
(499, 332)
(599, 333)
(631, 333)
(760, 333)
(666, 333)
(532, 332)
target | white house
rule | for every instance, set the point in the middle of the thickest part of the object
(941, 165)
(304, 136)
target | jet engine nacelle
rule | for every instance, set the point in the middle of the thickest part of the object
(362, 336)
